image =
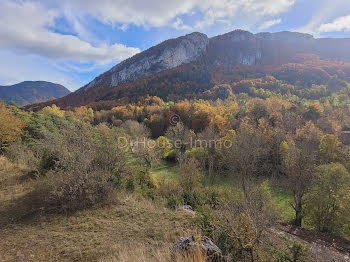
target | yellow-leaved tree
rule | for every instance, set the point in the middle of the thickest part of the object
(10, 126)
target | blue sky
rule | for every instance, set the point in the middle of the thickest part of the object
(72, 41)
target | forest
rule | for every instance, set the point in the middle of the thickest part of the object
(280, 157)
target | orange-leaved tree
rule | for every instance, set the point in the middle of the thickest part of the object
(10, 126)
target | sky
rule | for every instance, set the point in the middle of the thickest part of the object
(70, 42)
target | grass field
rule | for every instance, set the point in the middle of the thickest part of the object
(128, 227)
(281, 195)
(165, 171)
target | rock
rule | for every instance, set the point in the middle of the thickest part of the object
(167, 55)
(185, 208)
(186, 245)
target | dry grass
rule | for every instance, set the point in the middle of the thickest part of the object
(147, 254)
(11, 178)
(129, 229)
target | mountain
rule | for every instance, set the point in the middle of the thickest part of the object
(30, 92)
(169, 54)
(193, 64)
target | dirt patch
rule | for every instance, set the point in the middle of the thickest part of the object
(323, 247)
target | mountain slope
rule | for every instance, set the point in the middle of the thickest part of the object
(29, 92)
(166, 55)
(194, 64)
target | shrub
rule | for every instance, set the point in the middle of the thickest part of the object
(291, 251)
(48, 161)
(130, 184)
(239, 225)
(173, 202)
(67, 192)
(172, 192)
(193, 198)
(20, 153)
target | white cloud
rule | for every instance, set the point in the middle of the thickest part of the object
(269, 23)
(138, 12)
(326, 11)
(162, 12)
(253, 10)
(339, 24)
(24, 28)
(179, 25)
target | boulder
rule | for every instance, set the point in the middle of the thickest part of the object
(186, 245)
(185, 207)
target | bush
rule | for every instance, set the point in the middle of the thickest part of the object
(130, 184)
(292, 251)
(48, 161)
(67, 192)
(19, 153)
(171, 192)
(173, 202)
(239, 225)
(193, 198)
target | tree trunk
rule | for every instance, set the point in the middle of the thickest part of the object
(251, 255)
(298, 215)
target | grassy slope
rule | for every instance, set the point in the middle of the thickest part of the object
(165, 171)
(282, 196)
(131, 227)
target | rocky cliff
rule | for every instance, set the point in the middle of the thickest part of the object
(167, 55)
(241, 47)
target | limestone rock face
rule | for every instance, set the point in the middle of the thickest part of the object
(167, 55)
(236, 47)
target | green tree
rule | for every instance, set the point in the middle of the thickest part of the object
(298, 167)
(181, 138)
(329, 198)
(191, 176)
(329, 149)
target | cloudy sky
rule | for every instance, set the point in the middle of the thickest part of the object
(72, 41)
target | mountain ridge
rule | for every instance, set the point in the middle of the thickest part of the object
(166, 55)
(261, 51)
(28, 92)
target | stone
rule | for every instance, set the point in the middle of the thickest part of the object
(186, 245)
(184, 207)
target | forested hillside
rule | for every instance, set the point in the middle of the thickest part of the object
(30, 92)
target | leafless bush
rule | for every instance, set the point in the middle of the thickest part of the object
(67, 192)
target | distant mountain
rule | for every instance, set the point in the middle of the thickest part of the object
(194, 63)
(30, 92)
